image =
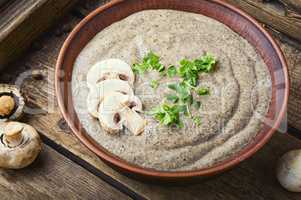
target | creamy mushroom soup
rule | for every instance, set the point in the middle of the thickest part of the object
(230, 116)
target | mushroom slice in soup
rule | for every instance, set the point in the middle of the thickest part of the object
(110, 69)
(114, 113)
(103, 89)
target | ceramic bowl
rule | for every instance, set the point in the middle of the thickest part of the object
(234, 18)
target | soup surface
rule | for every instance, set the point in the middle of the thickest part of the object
(231, 116)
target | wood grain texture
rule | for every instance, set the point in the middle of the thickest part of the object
(293, 57)
(52, 176)
(23, 20)
(272, 14)
(254, 179)
(292, 5)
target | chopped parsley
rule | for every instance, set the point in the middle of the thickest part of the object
(206, 63)
(171, 71)
(167, 115)
(150, 62)
(203, 91)
(188, 72)
(197, 120)
(181, 99)
(183, 92)
(154, 84)
(172, 98)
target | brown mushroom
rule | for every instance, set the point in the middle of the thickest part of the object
(11, 102)
(20, 144)
(289, 170)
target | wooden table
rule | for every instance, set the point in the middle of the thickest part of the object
(68, 170)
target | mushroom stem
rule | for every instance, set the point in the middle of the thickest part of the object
(133, 121)
(13, 134)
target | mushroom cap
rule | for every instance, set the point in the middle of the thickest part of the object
(289, 171)
(102, 90)
(27, 149)
(9, 92)
(114, 113)
(110, 69)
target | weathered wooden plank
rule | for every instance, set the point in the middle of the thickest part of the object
(53, 176)
(254, 179)
(23, 20)
(272, 14)
(292, 51)
(293, 5)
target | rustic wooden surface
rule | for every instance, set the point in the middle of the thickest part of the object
(254, 179)
(274, 14)
(21, 21)
(53, 176)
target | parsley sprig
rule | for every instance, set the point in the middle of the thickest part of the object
(150, 62)
(154, 84)
(168, 115)
(206, 63)
(189, 70)
(183, 92)
(181, 100)
(201, 91)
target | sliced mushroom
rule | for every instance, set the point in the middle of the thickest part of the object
(20, 145)
(114, 113)
(110, 69)
(132, 121)
(11, 102)
(103, 89)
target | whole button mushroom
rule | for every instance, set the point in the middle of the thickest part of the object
(289, 171)
(11, 103)
(19, 146)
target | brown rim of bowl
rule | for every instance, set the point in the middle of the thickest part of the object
(124, 165)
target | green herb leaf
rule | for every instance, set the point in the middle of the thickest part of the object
(203, 91)
(172, 98)
(182, 99)
(206, 63)
(197, 120)
(182, 108)
(171, 71)
(139, 68)
(150, 62)
(154, 84)
(188, 71)
(173, 86)
(196, 104)
(187, 111)
(167, 114)
(183, 92)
